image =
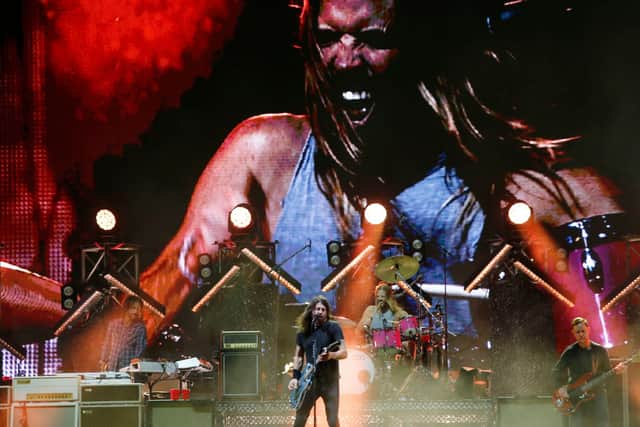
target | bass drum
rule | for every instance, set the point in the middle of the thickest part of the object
(356, 373)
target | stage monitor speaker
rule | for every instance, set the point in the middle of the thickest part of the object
(240, 374)
(528, 412)
(108, 416)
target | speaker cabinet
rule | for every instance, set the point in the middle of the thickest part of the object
(528, 412)
(44, 414)
(4, 416)
(240, 375)
(111, 415)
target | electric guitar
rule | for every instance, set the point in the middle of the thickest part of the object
(579, 391)
(296, 397)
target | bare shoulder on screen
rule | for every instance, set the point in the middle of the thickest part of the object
(583, 192)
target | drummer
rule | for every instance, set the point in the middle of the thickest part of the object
(385, 314)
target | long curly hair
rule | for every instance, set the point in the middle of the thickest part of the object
(303, 323)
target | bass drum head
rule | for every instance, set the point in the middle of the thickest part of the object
(356, 373)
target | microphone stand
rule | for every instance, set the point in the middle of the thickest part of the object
(315, 371)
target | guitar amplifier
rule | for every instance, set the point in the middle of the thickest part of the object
(240, 341)
(111, 415)
(110, 393)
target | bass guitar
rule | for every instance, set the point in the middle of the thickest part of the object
(296, 397)
(579, 391)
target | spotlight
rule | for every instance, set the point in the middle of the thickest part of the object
(332, 279)
(68, 296)
(205, 268)
(106, 220)
(375, 213)
(416, 248)
(519, 213)
(241, 220)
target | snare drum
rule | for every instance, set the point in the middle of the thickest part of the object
(386, 338)
(408, 327)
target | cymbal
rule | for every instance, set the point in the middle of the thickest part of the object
(344, 321)
(296, 304)
(394, 268)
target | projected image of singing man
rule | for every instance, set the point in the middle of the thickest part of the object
(366, 135)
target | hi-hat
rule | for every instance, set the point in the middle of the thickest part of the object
(396, 268)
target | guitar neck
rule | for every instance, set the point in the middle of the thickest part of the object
(595, 382)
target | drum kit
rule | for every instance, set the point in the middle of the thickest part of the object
(408, 347)
(394, 355)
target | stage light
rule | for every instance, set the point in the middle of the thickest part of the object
(519, 213)
(278, 274)
(416, 248)
(241, 220)
(617, 296)
(205, 268)
(68, 296)
(535, 278)
(155, 307)
(16, 350)
(335, 253)
(85, 305)
(106, 220)
(211, 293)
(502, 253)
(375, 213)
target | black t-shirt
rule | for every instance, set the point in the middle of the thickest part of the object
(313, 345)
(577, 361)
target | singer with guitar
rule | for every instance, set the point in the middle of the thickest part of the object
(316, 333)
(579, 361)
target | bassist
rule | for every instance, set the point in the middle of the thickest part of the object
(584, 357)
(315, 332)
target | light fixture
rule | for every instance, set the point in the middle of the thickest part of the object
(277, 274)
(241, 220)
(336, 253)
(106, 220)
(540, 282)
(205, 268)
(502, 253)
(85, 305)
(416, 249)
(616, 296)
(211, 293)
(16, 350)
(155, 307)
(375, 213)
(332, 279)
(68, 296)
(519, 213)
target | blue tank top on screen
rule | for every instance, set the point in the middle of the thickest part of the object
(426, 210)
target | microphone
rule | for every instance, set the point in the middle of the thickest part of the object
(309, 244)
